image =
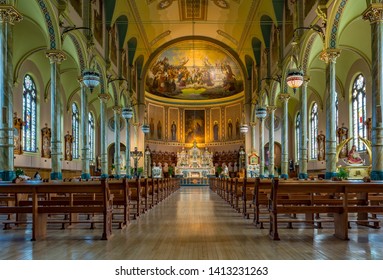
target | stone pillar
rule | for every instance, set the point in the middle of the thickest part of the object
(331, 56)
(253, 136)
(374, 14)
(284, 97)
(261, 148)
(127, 151)
(303, 132)
(117, 151)
(8, 16)
(103, 141)
(271, 111)
(55, 58)
(85, 172)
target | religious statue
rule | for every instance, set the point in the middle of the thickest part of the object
(230, 129)
(17, 135)
(46, 142)
(237, 130)
(368, 124)
(68, 139)
(342, 133)
(354, 157)
(174, 131)
(321, 146)
(159, 130)
(151, 126)
(215, 131)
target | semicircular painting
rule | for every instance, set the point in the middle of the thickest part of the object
(194, 70)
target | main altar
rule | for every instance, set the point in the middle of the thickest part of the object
(194, 163)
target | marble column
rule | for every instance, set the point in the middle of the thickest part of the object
(284, 97)
(103, 141)
(374, 14)
(85, 169)
(117, 150)
(55, 58)
(303, 131)
(271, 111)
(331, 56)
(261, 148)
(253, 136)
(8, 17)
(127, 150)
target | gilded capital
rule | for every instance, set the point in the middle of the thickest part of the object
(329, 55)
(55, 56)
(117, 109)
(104, 97)
(9, 14)
(374, 13)
(271, 108)
(284, 97)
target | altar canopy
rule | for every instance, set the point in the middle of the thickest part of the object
(194, 162)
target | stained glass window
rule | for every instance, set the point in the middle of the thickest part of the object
(314, 130)
(297, 135)
(91, 135)
(29, 114)
(359, 111)
(76, 130)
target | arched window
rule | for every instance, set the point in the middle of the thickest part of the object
(91, 136)
(297, 135)
(314, 130)
(359, 111)
(75, 130)
(29, 114)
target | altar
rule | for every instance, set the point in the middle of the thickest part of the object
(194, 163)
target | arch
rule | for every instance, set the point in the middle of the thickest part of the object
(109, 9)
(256, 45)
(249, 66)
(80, 52)
(132, 47)
(16, 71)
(266, 25)
(51, 24)
(332, 34)
(122, 28)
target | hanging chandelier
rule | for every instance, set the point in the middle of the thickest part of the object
(91, 78)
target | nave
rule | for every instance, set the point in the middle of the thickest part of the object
(194, 223)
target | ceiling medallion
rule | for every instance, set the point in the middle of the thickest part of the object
(164, 4)
(222, 4)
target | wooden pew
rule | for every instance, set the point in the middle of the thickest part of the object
(350, 197)
(40, 210)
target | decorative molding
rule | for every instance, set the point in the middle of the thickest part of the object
(335, 24)
(140, 26)
(159, 37)
(307, 53)
(222, 4)
(55, 56)
(79, 52)
(164, 4)
(51, 30)
(227, 36)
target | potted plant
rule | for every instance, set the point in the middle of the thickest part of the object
(171, 171)
(342, 173)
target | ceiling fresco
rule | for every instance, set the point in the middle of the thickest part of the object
(194, 70)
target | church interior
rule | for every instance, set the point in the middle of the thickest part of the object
(200, 99)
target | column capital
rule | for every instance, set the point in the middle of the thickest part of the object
(55, 56)
(374, 13)
(9, 14)
(271, 108)
(284, 97)
(117, 109)
(104, 97)
(329, 55)
(252, 124)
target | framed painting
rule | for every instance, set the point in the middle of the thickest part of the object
(194, 126)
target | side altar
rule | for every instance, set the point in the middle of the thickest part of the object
(194, 163)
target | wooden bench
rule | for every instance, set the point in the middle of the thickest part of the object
(41, 209)
(349, 197)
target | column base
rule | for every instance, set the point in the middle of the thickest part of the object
(56, 176)
(85, 176)
(271, 176)
(117, 176)
(330, 175)
(7, 175)
(262, 176)
(376, 175)
(104, 176)
(284, 176)
(303, 176)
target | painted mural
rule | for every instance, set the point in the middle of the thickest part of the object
(194, 126)
(194, 70)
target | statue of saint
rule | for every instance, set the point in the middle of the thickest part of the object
(354, 157)
(174, 131)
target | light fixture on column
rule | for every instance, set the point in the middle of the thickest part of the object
(244, 128)
(91, 78)
(261, 112)
(294, 77)
(145, 127)
(127, 113)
